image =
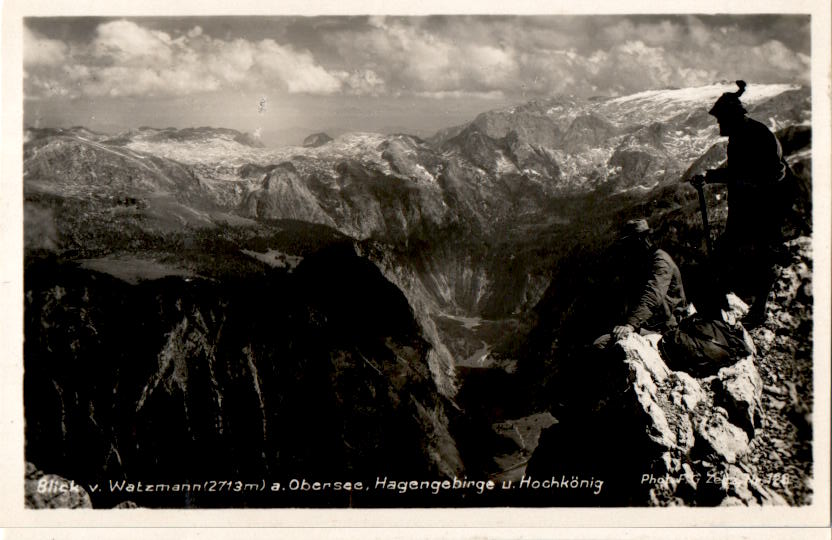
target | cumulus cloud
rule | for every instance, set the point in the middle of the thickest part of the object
(539, 56)
(437, 57)
(127, 59)
(128, 43)
(412, 57)
(40, 51)
(363, 82)
(297, 69)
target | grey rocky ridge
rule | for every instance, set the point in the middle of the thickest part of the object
(698, 441)
(316, 139)
(198, 305)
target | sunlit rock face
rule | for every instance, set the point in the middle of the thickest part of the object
(663, 437)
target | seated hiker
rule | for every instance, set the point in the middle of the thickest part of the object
(653, 290)
(654, 286)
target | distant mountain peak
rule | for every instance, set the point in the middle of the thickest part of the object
(250, 139)
(316, 139)
(186, 135)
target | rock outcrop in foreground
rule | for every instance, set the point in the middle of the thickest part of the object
(660, 437)
(52, 491)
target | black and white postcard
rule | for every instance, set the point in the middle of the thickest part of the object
(455, 266)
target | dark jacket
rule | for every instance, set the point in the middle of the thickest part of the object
(754, 169)
(661, 294)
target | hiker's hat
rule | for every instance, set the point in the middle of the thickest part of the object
(729, 103)
(634, 228)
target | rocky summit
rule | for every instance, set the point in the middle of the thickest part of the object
(197, 303)
(683, 440)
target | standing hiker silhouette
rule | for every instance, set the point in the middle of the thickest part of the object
(755, 174)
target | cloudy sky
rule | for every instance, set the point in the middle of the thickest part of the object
(417, 74)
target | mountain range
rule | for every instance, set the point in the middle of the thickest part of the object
(201, 271)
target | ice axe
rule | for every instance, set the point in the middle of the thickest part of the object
(698, 182)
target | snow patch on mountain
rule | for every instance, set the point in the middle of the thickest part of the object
(664, 103)
(275, 258)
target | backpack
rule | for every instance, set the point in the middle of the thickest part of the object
(701, 347)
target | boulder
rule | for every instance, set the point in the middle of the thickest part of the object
(646, 370)
(52, 491)
(721, 437)
(641, 350)
(648, 414)
(739, 389)
(685, 391)
(679, 438)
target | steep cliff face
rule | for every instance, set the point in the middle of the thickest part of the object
(321, 372)
(283, 194)
(587, 131)
(632, 164)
